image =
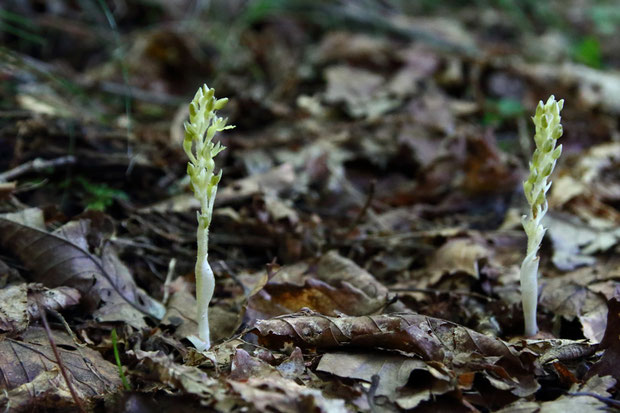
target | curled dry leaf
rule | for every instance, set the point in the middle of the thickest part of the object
(502, 365)
(362, 91)
(63, 258)
(429, 338)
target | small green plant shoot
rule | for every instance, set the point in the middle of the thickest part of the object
(548, 131)
(198, 145)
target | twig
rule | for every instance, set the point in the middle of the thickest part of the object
(362, 213)
(61, 366)
(607, 400)
(171, 266)
(36, 165)
(370, 395)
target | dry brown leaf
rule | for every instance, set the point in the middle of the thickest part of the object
(353, 47)
(62, 258)
(394, 372)
(333, 285)
(362, 91)
(284, 396)
(19, 304)
(582, 294)
(430, 338)
(458, 255)
(244, 366)
(608, 364)
(29, 365)
(273, 181)
(581, 398)
(161, 369)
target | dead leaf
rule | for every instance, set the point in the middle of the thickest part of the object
(394, 372)
(244, 366)
(19, 304)
(362, 91)
(578, 295)
(29, 365)
(273, 181)
(429, 338)
(293, 367)
(580, 398)
(457, 255)
(333, 285)
(284, 396)
(63, 258)
(608, 364)
(161, 369)
(353, 47)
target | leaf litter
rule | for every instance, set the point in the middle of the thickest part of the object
(366, 237)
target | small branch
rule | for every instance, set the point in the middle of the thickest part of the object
(36, 165)
(61, 366)
(364, 210)
(607, 400)
(171, 266)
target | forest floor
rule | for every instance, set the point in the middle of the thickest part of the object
(366, 237)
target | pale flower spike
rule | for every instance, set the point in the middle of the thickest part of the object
(548, 131)
(198, 145)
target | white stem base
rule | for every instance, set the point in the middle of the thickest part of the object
(205, 284)
(529, 292)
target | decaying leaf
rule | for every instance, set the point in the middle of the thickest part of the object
(459, 255)
(285, 396)
(333, 285)
(427, 337)
(362, 91)
(394, 372)
(582, 294)
(273, 181)
(580, 398)
(608, 364)
(161, 369)
(31, 375)
(19, 304)
(574, 242)
(63, 258)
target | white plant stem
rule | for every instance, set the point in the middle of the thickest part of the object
(205, 284)
(529, 291)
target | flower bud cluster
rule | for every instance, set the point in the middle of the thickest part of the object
(198, 145)
(548, 131)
